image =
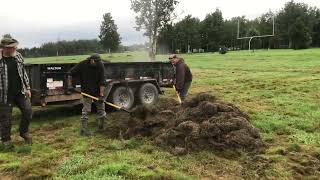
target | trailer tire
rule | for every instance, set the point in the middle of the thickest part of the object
(123, 97)
(148, 94)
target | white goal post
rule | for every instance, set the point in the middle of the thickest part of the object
(252, 37)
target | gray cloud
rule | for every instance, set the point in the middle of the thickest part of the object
(30, 36)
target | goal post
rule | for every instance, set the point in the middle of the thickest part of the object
(252, 37)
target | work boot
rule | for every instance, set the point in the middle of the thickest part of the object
(100, 124)
(85, 132)
(27, 138)
(84, 129)
(8, 146)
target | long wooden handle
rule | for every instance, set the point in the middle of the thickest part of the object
(89, 96)
(113, 105)
(97, 99)
(178, 96)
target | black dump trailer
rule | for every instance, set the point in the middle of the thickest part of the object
(128, 83)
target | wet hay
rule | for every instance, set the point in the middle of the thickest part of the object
(202, 122)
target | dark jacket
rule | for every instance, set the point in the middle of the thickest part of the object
(91, 77)
(183, 74)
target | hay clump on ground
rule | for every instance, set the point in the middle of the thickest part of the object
(202, 122)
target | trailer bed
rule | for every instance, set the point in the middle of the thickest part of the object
(49, 81)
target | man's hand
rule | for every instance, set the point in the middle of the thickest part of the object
(101, 99)
(101, 95)
(28, 93)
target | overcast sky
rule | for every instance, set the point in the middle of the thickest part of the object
(34, 22)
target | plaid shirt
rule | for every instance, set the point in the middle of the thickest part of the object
(4, 77)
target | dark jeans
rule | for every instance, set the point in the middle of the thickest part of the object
(24, 105)
(184, 92)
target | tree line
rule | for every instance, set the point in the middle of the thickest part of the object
(63, 48)
(297, 26)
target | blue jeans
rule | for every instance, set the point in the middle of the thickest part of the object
(184, 92)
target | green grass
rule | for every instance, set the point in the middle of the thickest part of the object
(279, 89)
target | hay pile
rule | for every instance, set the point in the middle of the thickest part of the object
(202, 122)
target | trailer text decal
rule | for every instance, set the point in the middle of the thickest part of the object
(54, 68)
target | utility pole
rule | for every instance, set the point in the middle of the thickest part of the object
(58, 40)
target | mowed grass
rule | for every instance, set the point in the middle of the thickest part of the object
(279, 89)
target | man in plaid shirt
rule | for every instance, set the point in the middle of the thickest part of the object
(14, 90)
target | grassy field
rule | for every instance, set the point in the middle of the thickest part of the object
(279, 89)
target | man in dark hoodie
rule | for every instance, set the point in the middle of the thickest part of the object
(91, 73)
(183, 76)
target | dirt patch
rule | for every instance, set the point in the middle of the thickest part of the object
(256, 166)
(304, 165)
(202, 122)
(6, 176)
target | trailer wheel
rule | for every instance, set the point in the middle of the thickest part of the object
(123, 97)
(148, 94)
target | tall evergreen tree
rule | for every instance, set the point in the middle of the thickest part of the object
(187, 33)
(212, 30)
(109, 36)
(287, 18)
(300, 35)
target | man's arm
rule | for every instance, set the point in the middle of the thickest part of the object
(75, 70)
(180, 76)
(102, 91)
(27, 82)
(25, 77)
(102, 80)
